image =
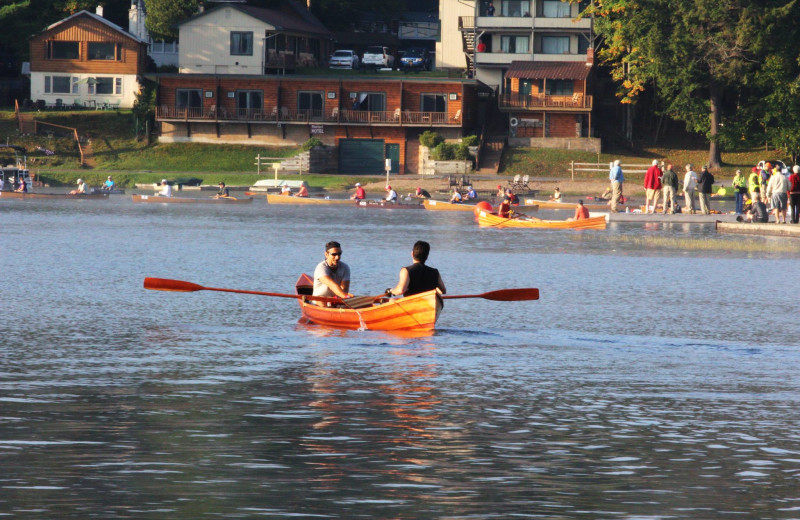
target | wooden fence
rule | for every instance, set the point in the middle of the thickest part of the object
(602, 167)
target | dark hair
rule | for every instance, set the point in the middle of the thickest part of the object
(421, 251)
(332, 244)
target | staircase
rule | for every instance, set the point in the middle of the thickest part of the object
(466, 24)
(88, 156)
(490, 155)
(25, 123)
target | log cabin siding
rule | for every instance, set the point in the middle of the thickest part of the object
(412, 95)
(84, 29)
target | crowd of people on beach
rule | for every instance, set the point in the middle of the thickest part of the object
(768, 188)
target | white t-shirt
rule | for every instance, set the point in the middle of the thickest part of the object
(166, 191)
(689, 181)
(392, 196)
(341, 274)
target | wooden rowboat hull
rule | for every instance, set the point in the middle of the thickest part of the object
(370, 204)
(417, 313)
(544, 204)
(439, 205)
(185, 200)
(493, 220)
(29, 195)
(285, 199)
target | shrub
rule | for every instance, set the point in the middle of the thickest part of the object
(443, 152)
(470, 140)
(311, 143)
(430, 139)
(461, 152)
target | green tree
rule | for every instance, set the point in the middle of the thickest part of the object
(164, 15)
(699, 55)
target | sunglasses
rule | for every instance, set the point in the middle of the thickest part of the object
(336, 254)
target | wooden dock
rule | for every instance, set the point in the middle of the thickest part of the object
(770, 228)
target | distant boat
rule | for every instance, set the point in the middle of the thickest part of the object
(486, 219)
(155, 199)
(288, 199)
(37, 195)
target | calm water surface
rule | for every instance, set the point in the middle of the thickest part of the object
(648, 382)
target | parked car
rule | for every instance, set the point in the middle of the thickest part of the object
(775, 162)
(343, 59)
(416, 58)
(378, 57)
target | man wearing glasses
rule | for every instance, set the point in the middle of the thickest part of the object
(332, 276)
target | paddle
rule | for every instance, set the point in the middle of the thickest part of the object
(501, 295)
(165, 284)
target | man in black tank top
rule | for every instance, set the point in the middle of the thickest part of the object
(418, 277)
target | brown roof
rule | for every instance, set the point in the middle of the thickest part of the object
(549, 70)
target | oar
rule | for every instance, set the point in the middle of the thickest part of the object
(165, 284)
(501, 295)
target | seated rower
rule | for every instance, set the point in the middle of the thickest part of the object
(109, 184)
(418, 277)
(223, 191)
(303, 192)
(504, 209)
(513, 199)
(166, 189)
(556, 196)
(581, 212)
(422, 194)
(391, 195)
(82, 189)
(286, 190)
(471, 194)
(360, 194)
(23, 186)
(456, 197)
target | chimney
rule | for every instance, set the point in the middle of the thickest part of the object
(99, 10)
(589, 57)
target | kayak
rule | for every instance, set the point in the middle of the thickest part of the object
(413, 313)
(273, 198)
(185, 200)
(29, 195)
(493, 220)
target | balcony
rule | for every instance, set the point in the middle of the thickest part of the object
(574, 102)
(292, 116)
(541, 22)
(505, 22)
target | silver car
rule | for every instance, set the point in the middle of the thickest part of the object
(343, 59)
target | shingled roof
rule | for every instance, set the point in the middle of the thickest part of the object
(549, 70)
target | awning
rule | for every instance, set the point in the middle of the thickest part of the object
(549, 70)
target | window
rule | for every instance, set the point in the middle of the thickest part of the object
(433, 103)
(370, 102)
(64, 50)
(555, 44)
(104, 51)
(514, 44)
(59, 85)
(309, 101)
(555, 9)
(101, 85)
(515, 8)
(188, 98)
(248, 101)
(558, 87)
(118, 86)
(241, 43)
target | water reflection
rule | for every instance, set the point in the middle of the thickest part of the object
(637, 387)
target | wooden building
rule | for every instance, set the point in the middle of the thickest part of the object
(88, 61)
(369, 119)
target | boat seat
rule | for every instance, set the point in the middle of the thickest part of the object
(359, 302)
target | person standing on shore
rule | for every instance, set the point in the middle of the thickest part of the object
(739, 188)
(777, 190)
(669, 189)
(689, 183)
(754, 183)
(794, 193)
(652, 186)
(617, 178)
(704, 186)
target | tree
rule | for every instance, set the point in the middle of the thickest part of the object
(696, 54)
(164, 15)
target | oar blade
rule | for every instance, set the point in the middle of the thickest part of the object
(512, 295)
(165, 284)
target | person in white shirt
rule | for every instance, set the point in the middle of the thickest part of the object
(83, 188)
(689, 183)
(777, 194)
(166, 189)
(391, 195)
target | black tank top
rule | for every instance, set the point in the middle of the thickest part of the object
(421, 278)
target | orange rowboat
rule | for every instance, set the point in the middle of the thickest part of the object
(286, 199)
(493, 220)
(414, 313)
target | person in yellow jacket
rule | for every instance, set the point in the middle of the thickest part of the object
(754, 183)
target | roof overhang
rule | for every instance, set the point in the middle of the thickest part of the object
(549, 70)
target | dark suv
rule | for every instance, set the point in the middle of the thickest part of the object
(416, 58)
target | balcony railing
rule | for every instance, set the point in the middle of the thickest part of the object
(286, 115)
(574, 101)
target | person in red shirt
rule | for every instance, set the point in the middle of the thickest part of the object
(652, 186)
(794, 193)
(581, 211)
(504, 209)
(360, 194)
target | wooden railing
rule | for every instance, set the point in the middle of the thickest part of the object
(283, 114)
(466, 22)
(514, 100)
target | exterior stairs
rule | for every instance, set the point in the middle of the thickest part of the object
(490, 155)
(25, 123)
(466, 24)
(88, 156)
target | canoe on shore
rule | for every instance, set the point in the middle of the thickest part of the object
(493, 220)
(185, 200)
(31, 195)
(415, 313)
(273, 198)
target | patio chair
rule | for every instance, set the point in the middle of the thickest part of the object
(457, 116)
(396, 114)
(335, 113)
(514, 182)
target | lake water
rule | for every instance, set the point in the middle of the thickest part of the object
(656, 377)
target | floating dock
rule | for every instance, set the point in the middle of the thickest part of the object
(769, 228)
